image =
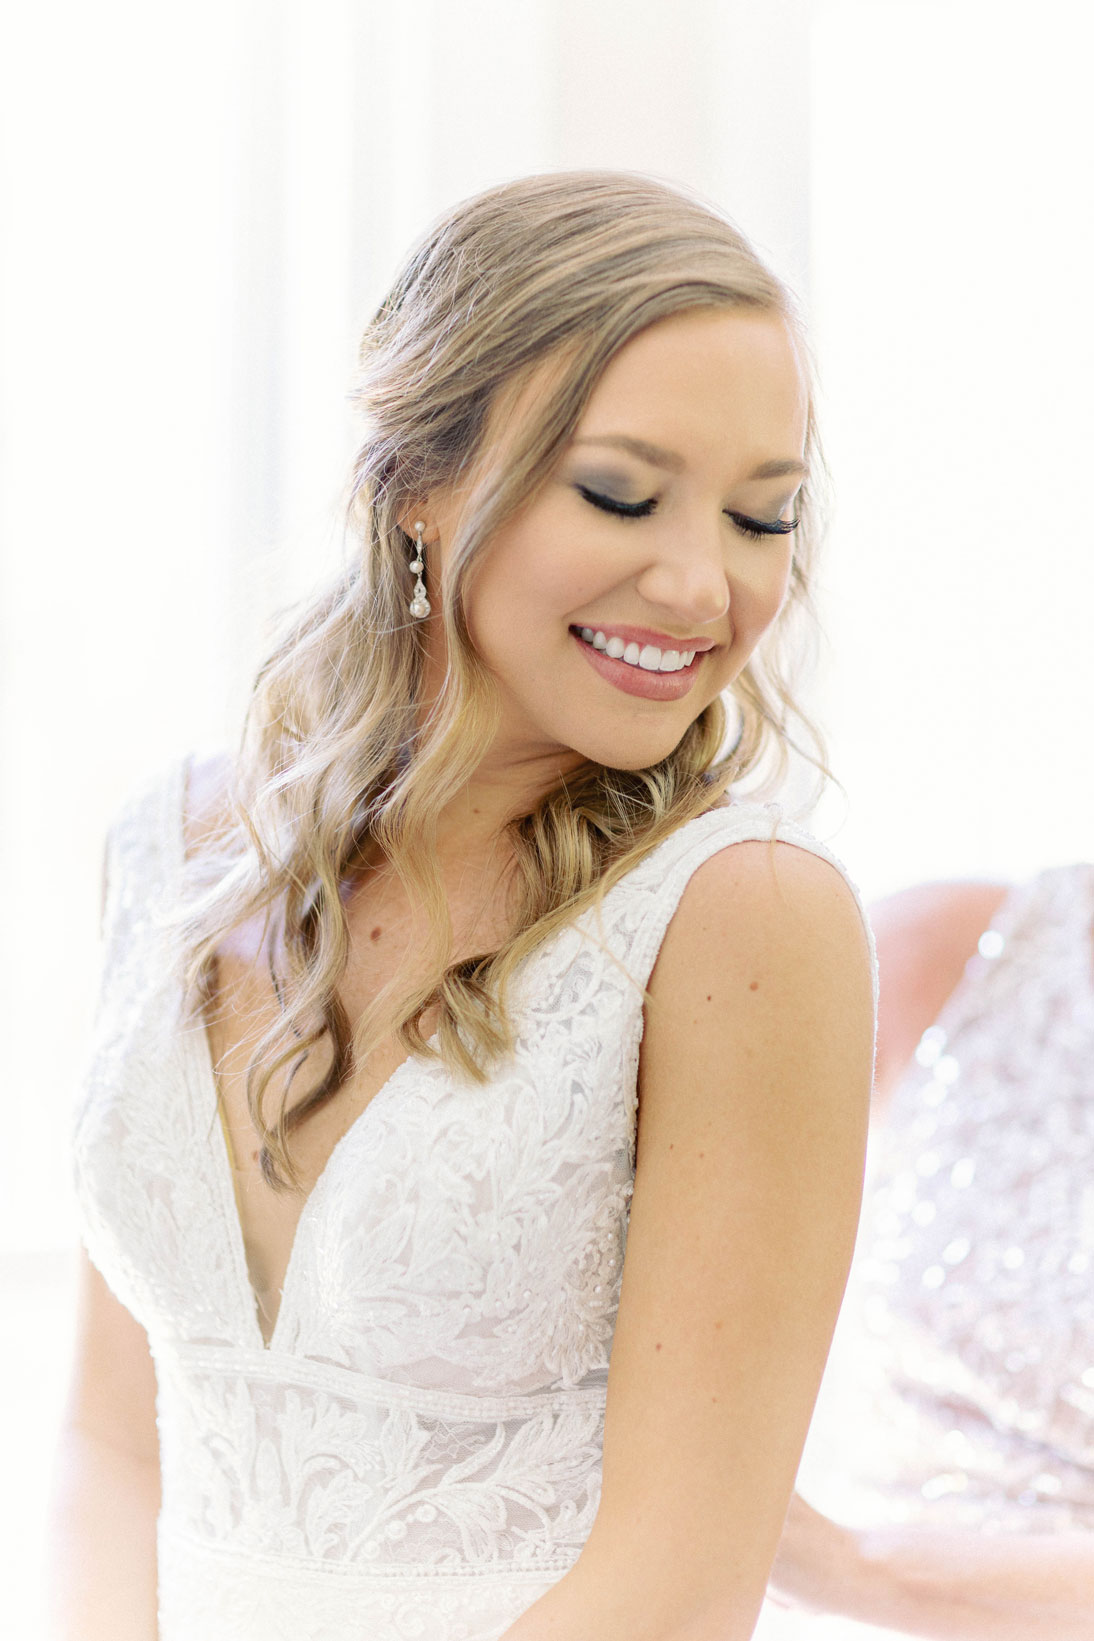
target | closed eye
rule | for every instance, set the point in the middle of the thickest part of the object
(621, 509)
(758, 528)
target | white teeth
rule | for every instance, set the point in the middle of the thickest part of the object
(646, 656)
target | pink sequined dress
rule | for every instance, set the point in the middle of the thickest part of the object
(967, 1346)
(960, 1389)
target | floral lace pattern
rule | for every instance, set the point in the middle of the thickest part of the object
(971, 1322)
(417, 1452)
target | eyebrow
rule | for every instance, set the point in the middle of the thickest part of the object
(668, 459)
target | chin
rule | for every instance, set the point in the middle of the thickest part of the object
(630, 753)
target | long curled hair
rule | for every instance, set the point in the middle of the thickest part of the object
(338, 758)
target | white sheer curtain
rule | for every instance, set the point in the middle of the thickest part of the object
(952, 266)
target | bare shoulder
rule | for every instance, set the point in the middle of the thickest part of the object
(766, 963)
(768, 903)
(925, 936)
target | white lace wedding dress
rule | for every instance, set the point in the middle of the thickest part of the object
(416, 1455)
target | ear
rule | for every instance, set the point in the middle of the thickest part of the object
(410, 520)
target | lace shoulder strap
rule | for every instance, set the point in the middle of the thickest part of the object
(638, 910)
(144, 856)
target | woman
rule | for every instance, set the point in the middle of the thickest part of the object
(973, 1353)
(461, 908)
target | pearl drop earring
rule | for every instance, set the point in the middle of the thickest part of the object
(419, 603)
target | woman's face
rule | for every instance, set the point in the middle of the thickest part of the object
(635, 585)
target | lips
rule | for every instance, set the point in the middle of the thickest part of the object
(632, 678)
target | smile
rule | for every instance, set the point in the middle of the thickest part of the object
(645, 656)
(638, 668)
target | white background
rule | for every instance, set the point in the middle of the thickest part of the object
(200, 204)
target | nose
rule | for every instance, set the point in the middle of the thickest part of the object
(689, 578)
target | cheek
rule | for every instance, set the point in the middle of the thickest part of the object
(780, 585)
(761, 598)
(529, 584)
(497, 596)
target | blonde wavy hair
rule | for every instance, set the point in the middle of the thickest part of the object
(337, 757)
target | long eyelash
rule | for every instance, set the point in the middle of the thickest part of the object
(621, 509)
(758, 528)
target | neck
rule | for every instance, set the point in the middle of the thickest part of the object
(517, 769)
(501, 788)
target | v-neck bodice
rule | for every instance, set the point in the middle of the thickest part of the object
(418, 1450)
(205, 1072)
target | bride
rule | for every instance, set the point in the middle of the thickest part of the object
(463, 976)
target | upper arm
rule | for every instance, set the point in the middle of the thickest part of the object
(112, 1394)
(754, 1093)
(925, 936)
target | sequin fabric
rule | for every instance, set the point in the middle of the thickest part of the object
(967, 1344)
(417, 1452)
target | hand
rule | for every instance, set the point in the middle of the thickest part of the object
(814, 1559)
(938, 1583)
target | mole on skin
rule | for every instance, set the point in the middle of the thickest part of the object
(374, 934)
(754, 985)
